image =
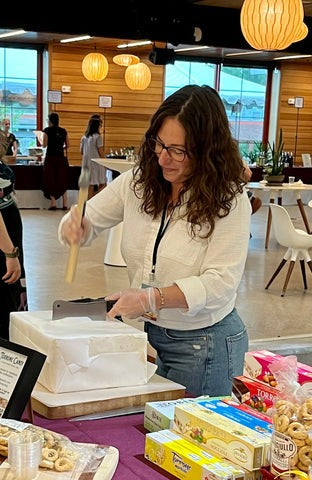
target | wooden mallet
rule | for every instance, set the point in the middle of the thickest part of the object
(83, 183)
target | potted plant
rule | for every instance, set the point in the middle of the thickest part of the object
(275, 165)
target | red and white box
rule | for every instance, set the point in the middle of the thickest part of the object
(255, 394)
(257, 365)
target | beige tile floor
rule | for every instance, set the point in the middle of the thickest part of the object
(265, 312)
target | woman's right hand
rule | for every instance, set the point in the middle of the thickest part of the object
(13, 272)
(74, 230)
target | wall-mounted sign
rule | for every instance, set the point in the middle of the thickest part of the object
(299, 102)
(19, 369)
(105, 101)
(54, 96)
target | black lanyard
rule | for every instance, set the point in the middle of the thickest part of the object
(161, 232)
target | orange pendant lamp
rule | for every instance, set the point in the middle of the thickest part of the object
(272, 24)
(138, 77)
(126, 59)
(95, 67)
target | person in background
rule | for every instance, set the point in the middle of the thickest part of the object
(91, 146)
(186, 222)
(11, 138)
(55, 168)
(13, 266)
(13, 295)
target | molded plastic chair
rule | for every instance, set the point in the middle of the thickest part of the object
(295, 240)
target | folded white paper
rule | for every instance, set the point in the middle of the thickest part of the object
(83, 354)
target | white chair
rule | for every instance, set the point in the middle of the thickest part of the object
(295, 240)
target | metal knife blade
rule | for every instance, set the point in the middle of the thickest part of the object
(94, 308)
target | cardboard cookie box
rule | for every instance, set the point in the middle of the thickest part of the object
(159, 415)
(255, 394)
(257, 366)
(185, 460)
(221, 436)
(245, 408)
(244, 418)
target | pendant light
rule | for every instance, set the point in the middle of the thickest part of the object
(272, 24)
(138, 76)
(126, 59)
(95, 67)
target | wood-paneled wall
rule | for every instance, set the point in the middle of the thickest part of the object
(127, 120)
(296, 81)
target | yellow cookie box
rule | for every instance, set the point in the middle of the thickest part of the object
(221, 436)
(187, 461)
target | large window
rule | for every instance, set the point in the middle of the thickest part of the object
(18, 94)
(242, 91)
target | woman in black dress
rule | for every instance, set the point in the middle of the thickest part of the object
(12, 295)
(55, 168)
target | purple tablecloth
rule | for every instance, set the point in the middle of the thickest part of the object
(125, 433)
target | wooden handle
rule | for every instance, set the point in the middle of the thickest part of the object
(74, 249)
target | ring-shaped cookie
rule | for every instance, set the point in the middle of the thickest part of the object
(63, 464)
(49, 454)
(297, 431)
(305, 455)
(281, 422)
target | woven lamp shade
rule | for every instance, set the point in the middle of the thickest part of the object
(126, 59)
(138, 77)
(94, 67)
(272, 24)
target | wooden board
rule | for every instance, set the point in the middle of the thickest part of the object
(68, 405)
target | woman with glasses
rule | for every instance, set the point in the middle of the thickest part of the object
(186, 221)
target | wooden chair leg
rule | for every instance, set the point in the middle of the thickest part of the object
(290, 269)
(279, 268)
(310, 265)
(269, 223)
(304, 278)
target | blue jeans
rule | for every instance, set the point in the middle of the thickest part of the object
(203, 360)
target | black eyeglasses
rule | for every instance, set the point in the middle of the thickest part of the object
(177, 154)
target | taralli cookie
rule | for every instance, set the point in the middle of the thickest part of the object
(281, 422)
(63, 464)
(49, 454)
(46, 464)
(297, 431)
(305, 411)
(305, 455)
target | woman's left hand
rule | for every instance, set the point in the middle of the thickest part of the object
(133, 302)
(13, 272)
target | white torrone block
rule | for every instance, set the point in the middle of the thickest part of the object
(83, 354)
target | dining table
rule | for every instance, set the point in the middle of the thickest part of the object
(276, 192)
(113, 254)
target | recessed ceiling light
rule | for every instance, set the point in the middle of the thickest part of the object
(75, 39)
(243, 53)
(292, 56)
(134, 44)
(12, 33)
(189, 49)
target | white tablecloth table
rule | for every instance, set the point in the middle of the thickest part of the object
(112, 253)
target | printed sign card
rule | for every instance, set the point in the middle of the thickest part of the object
(19, 370)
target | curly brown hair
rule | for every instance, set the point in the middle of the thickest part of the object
(216, 166)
